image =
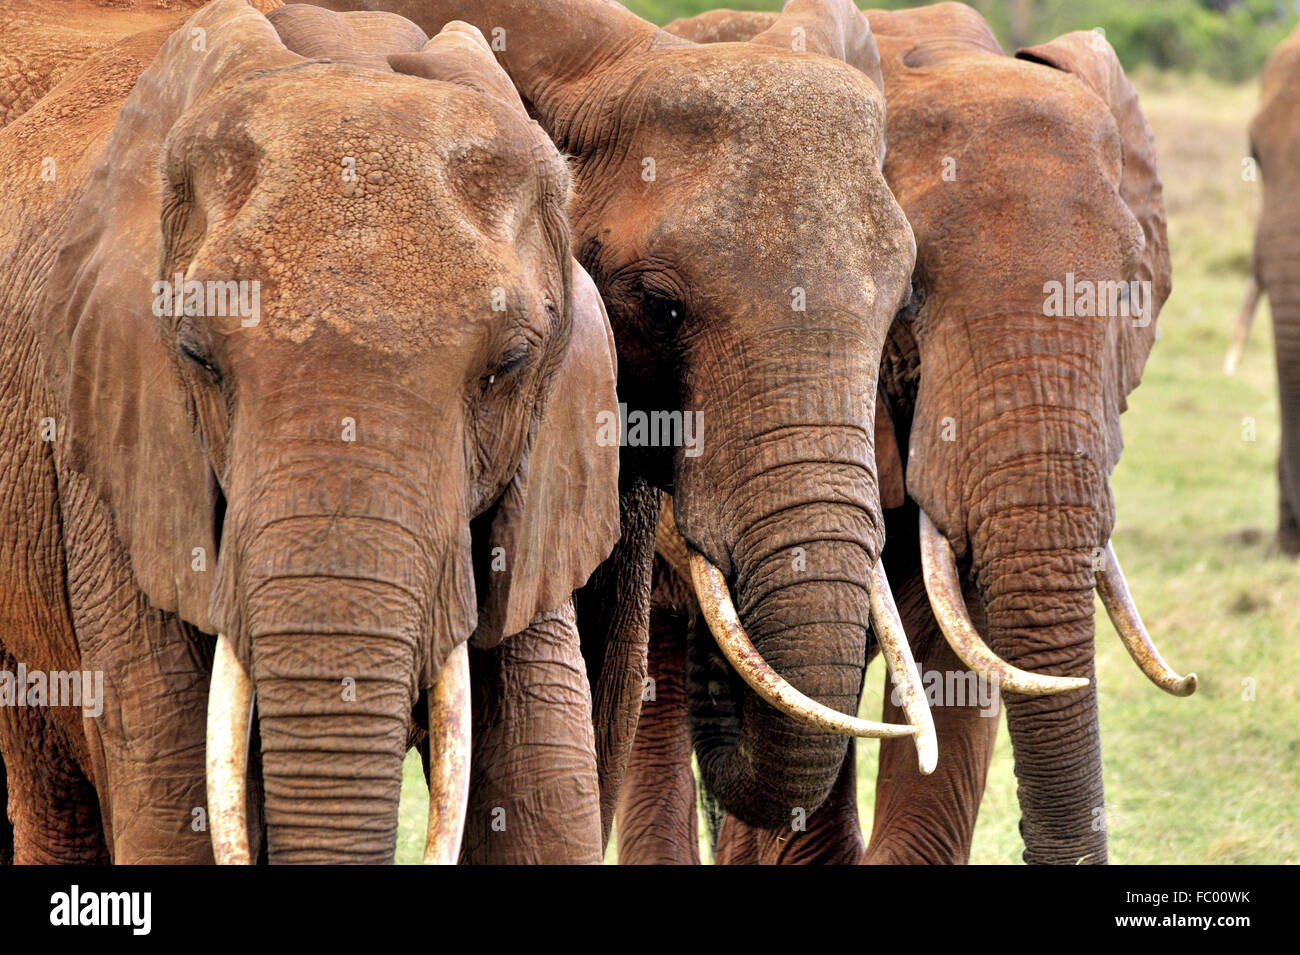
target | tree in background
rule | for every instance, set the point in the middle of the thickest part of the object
(1227, 39)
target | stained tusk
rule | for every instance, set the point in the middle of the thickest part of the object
(1242, 331)
(943, 586)
(715, 604)
(1123, 612)
(230, 703)
(902, 668)
(449, 742)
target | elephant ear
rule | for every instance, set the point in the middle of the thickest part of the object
(1089, 56)
(890, 477)
(130, 418)
(834, 28)
(549, 50)
(558, 518)
(362, 38)
(459, 54)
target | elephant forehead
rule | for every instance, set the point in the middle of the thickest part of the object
(768, 155)
(320, 119)
(781, 102)
(381, 225)
(980, 121)
(979, 94)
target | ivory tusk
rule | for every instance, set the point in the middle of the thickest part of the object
(1123, 612)
(1242, 330)
(450, 722)
(715, 604)
(943, 586)
(230, 703)
(902, 668)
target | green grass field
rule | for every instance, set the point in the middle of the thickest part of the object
(1214, 778)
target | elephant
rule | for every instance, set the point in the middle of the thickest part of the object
(45, 39)
(1274, 134)
(747, 254)
(1024, 178)
(301, 382)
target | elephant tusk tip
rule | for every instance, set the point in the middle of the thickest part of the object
(1071, 683)
(927, 757)
(1053, 685)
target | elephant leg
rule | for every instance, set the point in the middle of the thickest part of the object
(930, 820)
(534, 792)
(657, 823)
(1285, 298)
(148, 746)
(1288, 532)
(831, 835)
(148, 739)
(50, 811)
(737, 843)
(53, 815)
(613, 612)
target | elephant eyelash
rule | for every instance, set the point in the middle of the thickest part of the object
(508, 365)
(192, 354)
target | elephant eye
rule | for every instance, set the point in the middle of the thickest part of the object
(510, 363)
(666, 314)
(192, 353)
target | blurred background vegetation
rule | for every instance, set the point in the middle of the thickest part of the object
(1225, 39)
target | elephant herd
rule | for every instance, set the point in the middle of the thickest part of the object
(568, 398)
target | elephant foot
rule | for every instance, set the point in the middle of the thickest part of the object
(1288, 532)
(1288, 542)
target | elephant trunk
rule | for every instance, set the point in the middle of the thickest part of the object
(1036, 558)
(785, 506)
(804, 599)
(333, 650)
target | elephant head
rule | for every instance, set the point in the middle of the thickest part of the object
(370, 363)
(748, 254)
(1274, 141)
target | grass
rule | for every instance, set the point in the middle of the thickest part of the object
(1214, 778)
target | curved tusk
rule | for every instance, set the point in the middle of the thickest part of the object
(450, 721)
(715, 604)
(1123, 612)
(1242, 331)
(943, 586)
(902, 668)
(230, 703)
